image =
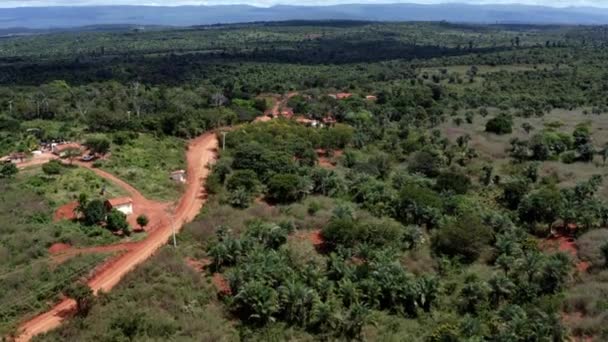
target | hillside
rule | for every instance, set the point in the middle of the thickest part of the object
(63, 17)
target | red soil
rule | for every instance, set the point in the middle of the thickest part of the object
(201, 152)
(565, 244)
(65, 212)
(221, 284)
(59, 247)
(198, 265)
(327, 162)
(316, 238)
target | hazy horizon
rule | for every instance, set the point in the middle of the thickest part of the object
(270, 3)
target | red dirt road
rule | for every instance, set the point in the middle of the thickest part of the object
(201, 152)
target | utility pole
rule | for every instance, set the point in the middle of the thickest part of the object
(173, 229)
(224, 140)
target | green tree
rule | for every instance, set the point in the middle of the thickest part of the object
(116, 221)
(142, 221)
(8, 170)
(285, 188)
(463, 237)
(94, 212)
(541, 206)
(501, 124)
(453, 181)
(98, 145)
(53, 167)
(83, 295)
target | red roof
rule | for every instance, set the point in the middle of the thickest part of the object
(328, 119)
(341, 96)
(119, 201)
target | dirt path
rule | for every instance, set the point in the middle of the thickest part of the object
(37, 160)
(201, 152)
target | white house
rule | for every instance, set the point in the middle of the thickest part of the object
(178, 176)
(122, 204)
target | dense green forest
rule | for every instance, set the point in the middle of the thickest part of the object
(454, 191)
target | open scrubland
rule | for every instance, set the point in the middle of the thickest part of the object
(373, 181)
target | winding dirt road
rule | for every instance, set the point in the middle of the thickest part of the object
(201, 152)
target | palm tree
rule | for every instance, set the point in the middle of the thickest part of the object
(501, 287)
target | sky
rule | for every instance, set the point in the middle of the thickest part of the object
(266, 3)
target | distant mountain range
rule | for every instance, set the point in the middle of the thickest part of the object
(69, 17)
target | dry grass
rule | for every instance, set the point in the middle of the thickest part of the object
(493, 148)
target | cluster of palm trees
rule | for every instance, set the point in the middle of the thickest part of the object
(330, 299)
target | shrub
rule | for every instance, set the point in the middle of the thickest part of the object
(142, 221)
(8, 170)
(243, 179)
(54, 167)
(426, 163)
(514, 192)
(568, 157)
(116, 221)
(376, 232)
(453, 181)
(98, 145)
(590, 246)
(502, 124)
(465, 237)
(285, 188)
(94, 212)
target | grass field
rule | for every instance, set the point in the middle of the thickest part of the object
(146, 162)
(67, 186)
(33, 288)
(493, 148)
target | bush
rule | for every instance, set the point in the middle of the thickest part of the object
(116, 221)
(514, 192)
(376, 232)
(142, 221)
(8, 170)
(453, 181)
(466, 237)
(98, 145)
(568, 157)
(590, 246)
(54, 167)
(502, 124)
(94, 212)
(426, 163)
(285, 188)
(243, 179)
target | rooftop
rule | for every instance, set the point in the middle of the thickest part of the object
(119, 201)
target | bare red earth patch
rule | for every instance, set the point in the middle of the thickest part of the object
(66, 212)
(198, 265)
(567, 245)
(221, 284)
(59, 248)
(316, 238)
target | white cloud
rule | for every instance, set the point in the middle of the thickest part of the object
(266, 3)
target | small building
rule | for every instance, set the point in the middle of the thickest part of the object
(329, 121)
(178, 176)
(122, 204)
(371, 98)
(62, 150)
